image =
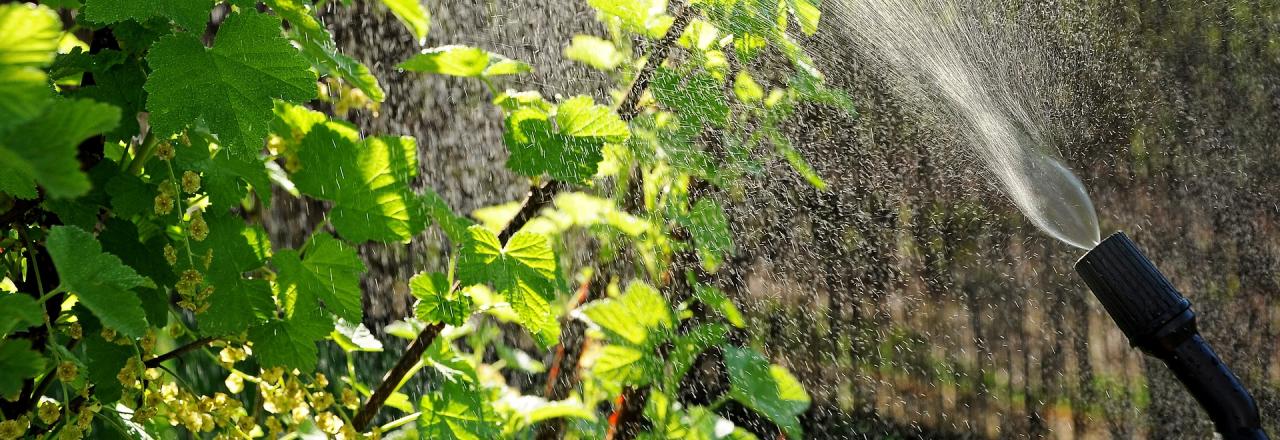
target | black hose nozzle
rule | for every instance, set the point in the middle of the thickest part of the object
(1159, 321)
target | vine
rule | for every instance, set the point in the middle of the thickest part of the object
(136, 169)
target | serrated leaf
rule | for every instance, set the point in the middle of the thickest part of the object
(709, 228)
(19, 311)
(44, 149)
(225, 177)
(118, 82)
(766, 389)
(594, 51)
(523, 271)
(456, 411)
(574, 151)
(290, 342)
(237, 302)
(438, 301)
(231, 86)
(104, 359)
(697, 97)
(29, 35)
(101, 282)
(413, 15)
(18, 362)
(454, 226)
(325, 276)
(640, 316)
(319, 48)
(24, 93)
(372, 198)
(192, 15)
(624, 365)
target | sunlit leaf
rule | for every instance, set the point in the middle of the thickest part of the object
(637, 317)
(523, 271)
(413, 15)
(595, 52)
(437, 300)
(767, 389)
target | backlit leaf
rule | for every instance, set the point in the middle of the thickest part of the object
(524, 272)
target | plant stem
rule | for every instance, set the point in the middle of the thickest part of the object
(191, 346)
(392, 379)
(538, 198)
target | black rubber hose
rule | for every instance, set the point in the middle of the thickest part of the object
(1159, 321)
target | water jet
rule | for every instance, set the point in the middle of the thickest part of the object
(1158, 320)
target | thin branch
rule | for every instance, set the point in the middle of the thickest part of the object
(396, 375)
(538, 198)
(191, 346)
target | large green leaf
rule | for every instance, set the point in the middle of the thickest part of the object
(457, 410)
(192, 15)
(438, 301)
(413, 15)
(645, 16)
(237, 302)
(371, 194)
(101, 282)
(44, 149)
(571, 153)
(639, 317)
(625, 365)
(697, 97)
(19, 363)
(767, 389)
(290, 342)
(29, 37)
(326, 275)
(524, 272)
(19, 311)
(229, 87)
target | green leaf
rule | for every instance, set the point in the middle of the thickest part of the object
(19, 311)
(647, 17)
(192, 15)
(237, 302)
(413, 15)
(438, 301)
(290, 343)
(105, 359)
(640, 316)
(454, 226)
(229, 87)
(746, 88)
(625, 365)
(456, 411)
(595, 52)
(29, 35)
(807, 13)
(118, 83)
(355, 337)
(44, 149)
(571, 154)
(19, 363)
(320, 49)
(717, 300)
(327, 275)
(709, 228)
(687, 347)
(372, 198)
(452, 60)
(697, 97)
(767, 389)
(99, 280)
(524, 271)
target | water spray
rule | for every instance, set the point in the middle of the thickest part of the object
(1159, 321)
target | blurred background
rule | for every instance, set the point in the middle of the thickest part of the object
(911, 298)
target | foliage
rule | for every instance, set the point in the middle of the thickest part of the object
(134, 173)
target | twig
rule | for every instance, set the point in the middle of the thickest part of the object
(392, 379)
(191, 346)
(538, 198)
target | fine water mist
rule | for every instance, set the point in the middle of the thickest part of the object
(971, 68)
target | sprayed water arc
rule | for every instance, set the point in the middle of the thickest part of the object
(970, 72)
